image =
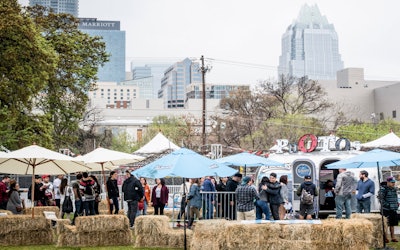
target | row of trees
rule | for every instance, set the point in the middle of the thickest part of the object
(47, 68)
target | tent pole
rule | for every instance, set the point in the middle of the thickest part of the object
(33, 191)
(186, 215)
(105, 187)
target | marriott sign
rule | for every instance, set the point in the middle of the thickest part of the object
(94, 24)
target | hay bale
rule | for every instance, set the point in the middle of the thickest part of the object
(68, 237)
(8, 212)
(103, 205)
(297, 232)
(60, 226)
(176, 238)
(104, 223)
(22, 222)
(284, 244)
(151, 230)
(209, 234)
(357, 234)
(38, 211)
(331, 229)
(25, 230)
(102, 238)
(254, 236)
(377, 233)
(26, 237)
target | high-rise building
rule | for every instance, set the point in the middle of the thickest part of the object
(153, 70)
(59, 6)
(310, 47)
(176, 78)
(114, 38)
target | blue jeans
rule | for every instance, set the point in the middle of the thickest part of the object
(343, 201)
(78, 207)
(262, 207)
(88, 206)
(208, 208)
(132, 210)
(364, 205)
(114, 204)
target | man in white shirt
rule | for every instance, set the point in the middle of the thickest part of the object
(56, 188)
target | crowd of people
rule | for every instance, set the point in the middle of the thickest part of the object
(232, 198)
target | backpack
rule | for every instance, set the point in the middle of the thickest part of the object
(306, 197)
(88, 190)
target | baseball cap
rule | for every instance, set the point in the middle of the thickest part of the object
(246, 180)
(238, 175)
(45, 176)
(307, 177)
(391, 179)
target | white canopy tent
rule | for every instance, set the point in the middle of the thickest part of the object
(386, 141)
(158, 145)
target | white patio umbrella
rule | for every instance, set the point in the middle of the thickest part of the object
(102, 158)
(38, 160)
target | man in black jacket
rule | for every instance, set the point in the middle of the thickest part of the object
(231, 186)
(133, 192)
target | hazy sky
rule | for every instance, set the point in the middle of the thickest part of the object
(249, 32)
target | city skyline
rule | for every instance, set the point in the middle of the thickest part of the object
(244, 37)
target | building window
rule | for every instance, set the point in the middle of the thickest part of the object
(394, 114)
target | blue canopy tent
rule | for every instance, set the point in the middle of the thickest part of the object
(247, 160)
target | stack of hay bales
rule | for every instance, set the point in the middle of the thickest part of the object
(38, 211)
(24, 230)
(155, 231)
(98, 230)
(377, 231)
(330, 234)
(210, 234)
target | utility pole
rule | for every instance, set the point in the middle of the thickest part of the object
(203, 74)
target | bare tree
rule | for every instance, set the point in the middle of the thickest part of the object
(297, 95)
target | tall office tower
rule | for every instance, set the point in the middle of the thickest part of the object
(59, 6)
(310, 47)
(153, 70)
(114, 38)
(176, 78)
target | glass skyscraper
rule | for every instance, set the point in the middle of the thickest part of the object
(114, 38)
(310, 47)
(176, 78)
(59, 6)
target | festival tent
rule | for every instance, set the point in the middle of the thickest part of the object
(158, 145)
(386, 141)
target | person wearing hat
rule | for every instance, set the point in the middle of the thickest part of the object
(388, 199)
(307, 188)
(231, 186)
(246, 195)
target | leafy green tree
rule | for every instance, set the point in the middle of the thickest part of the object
(65, 96)
(123, 142)
(26, 65)
(365, 132)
